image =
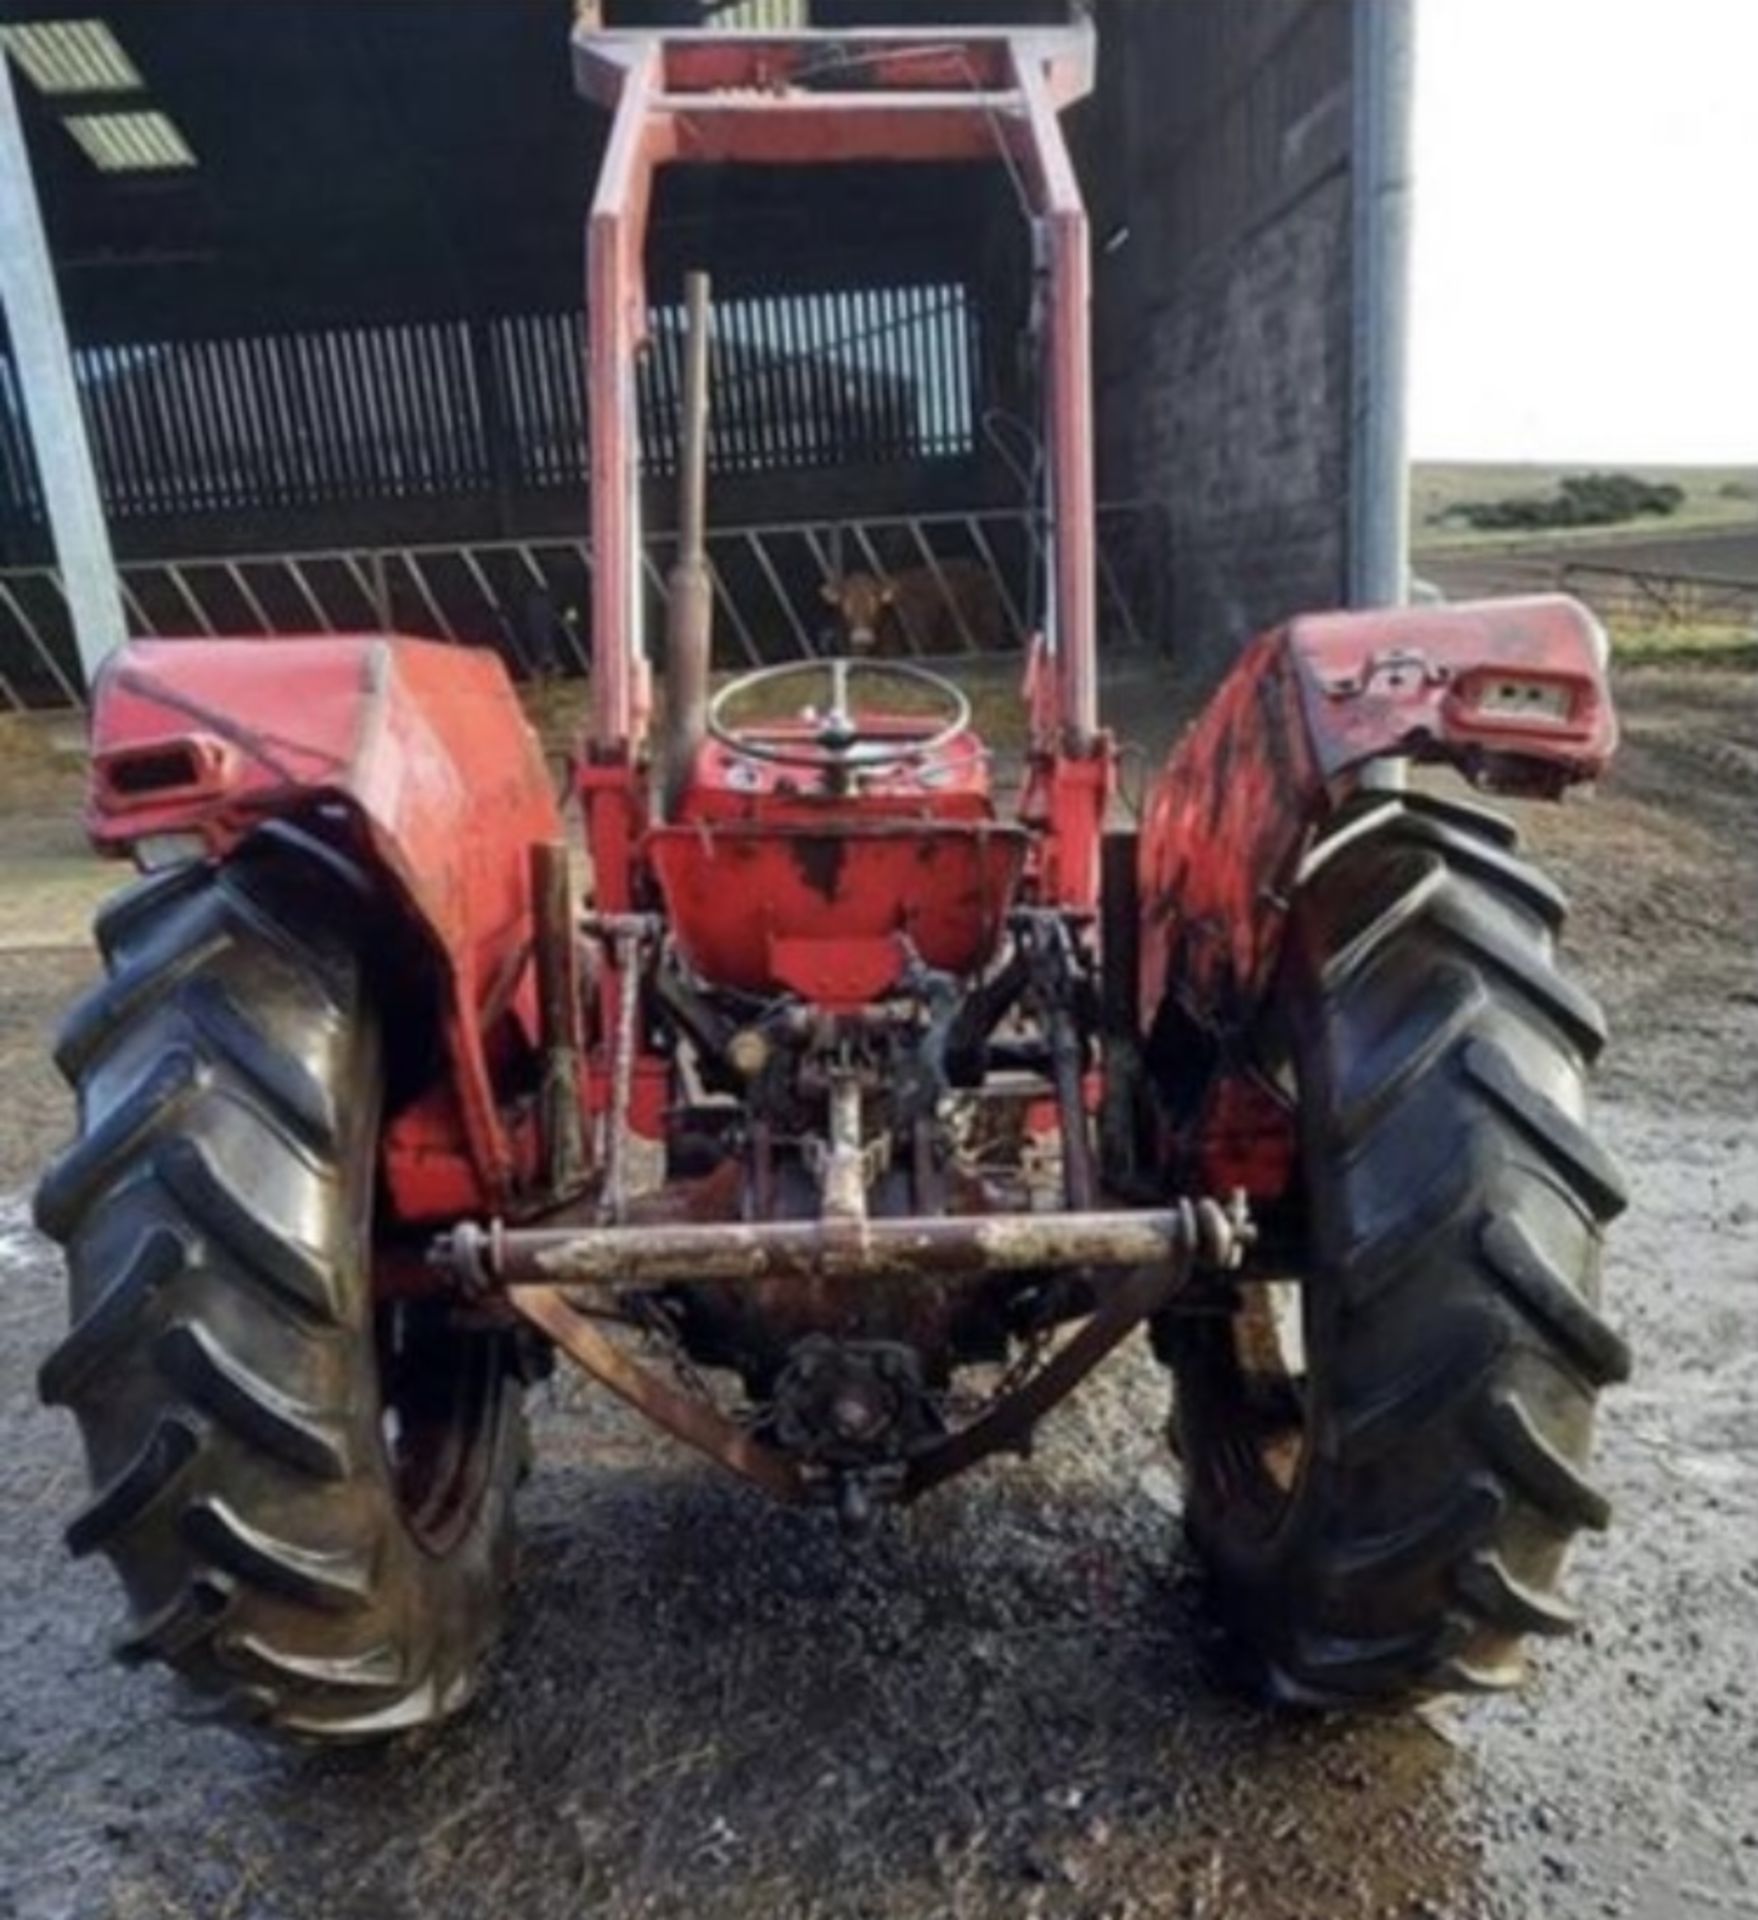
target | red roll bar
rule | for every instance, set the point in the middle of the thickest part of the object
(774, 99)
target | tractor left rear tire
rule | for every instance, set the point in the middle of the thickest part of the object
(307, 1496)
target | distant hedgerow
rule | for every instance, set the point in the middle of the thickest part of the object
(1582, 500)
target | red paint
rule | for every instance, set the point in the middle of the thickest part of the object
(1064, 801)
(840, 972)
(1275, 748)
(955, 62)
(772, 100)
(775, 878)
(438, 785)
(1405, 679)
(1243, 1140)
(950, 784)
(734, 892)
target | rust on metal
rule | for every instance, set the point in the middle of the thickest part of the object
(1007, 1423)
(558, 1018)
(922, 1249)
(1155, 1251)
(695, 1422)
(626, 934)
(689, 610)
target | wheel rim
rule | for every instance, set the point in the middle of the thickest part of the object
(439, 1398)
(1249, 1393)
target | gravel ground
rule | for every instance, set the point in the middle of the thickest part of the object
(1002, 1704)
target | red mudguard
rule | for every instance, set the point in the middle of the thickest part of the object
(1512, 692)
(423, 752)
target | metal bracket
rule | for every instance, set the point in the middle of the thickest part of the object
(1151, 1256)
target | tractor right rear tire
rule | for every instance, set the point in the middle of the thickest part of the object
(1384, 1502)
(307, 1497)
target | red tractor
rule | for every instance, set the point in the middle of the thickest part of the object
(848, 1124)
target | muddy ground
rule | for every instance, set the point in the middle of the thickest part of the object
(1003, 1704)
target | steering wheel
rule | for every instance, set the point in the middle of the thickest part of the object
(840, 743)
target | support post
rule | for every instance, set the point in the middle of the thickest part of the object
(51, 401)
(1379, 513)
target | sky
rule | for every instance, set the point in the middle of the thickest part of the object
(1586, 242)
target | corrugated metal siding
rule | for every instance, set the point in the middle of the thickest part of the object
(853, 376)
(20, 494)
(765, 16)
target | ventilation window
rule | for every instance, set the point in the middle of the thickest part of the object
(760, 16)
(131, 142)
(71, 56)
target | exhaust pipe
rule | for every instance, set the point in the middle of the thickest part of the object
(689, 609)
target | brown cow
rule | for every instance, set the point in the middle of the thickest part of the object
(926, 610)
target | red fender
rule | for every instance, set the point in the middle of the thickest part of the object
(1512, 692)
(443, 792)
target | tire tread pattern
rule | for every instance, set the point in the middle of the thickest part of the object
(220, 1359)
(1456, 1221)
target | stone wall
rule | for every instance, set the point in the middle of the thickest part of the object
(1216, 159)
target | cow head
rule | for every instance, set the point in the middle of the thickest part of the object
(859, 600)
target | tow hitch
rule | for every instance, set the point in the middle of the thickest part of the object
(863, 1431)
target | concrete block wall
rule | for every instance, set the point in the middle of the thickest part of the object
(1216, 156)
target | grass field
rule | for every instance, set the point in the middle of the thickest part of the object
(1713, 538)
(1715, 498)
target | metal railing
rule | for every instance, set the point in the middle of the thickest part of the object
(1644, 595)
(957, 583)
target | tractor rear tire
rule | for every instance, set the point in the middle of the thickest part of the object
(308, 1499)
(1388, 1517)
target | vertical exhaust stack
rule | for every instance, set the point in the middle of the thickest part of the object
(689, 612)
